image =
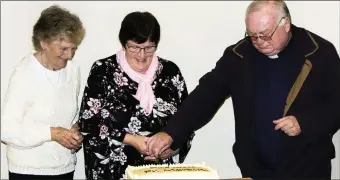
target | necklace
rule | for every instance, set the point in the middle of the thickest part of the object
(45, 66)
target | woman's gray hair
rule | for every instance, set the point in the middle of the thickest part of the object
(280, 6)
(57, 22)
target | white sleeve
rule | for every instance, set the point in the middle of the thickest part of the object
(16, 130)
(75, 120)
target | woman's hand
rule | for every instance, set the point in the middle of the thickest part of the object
(65, 137)
(138, 142)
(76, 135)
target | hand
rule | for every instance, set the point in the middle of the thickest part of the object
(138, 142)
(151, 158)
(158, 143)
(165, 155)
(168, 153)
(289, 125)
(64, 137)
(77, 136)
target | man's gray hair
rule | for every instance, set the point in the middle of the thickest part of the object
(280, 6)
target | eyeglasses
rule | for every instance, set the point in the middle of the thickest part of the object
(265, 38)
(135, 49)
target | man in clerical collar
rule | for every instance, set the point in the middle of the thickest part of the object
(285, 85)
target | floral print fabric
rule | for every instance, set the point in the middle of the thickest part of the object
(109, 110)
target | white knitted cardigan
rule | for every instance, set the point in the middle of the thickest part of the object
(32, 105)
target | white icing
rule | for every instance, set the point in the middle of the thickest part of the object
(198, 171)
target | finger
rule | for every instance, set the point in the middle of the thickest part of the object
(298, 132)
(156, 151)
(81, 139)
(73, 143)
(291, 134)
(166, 147)
(149, 158)
(67, 145)
(162, 149)
(280, 120)
(71, 146)
(149, 143)
(150, 139)
(288, 133)
(166, 154)
(63, 143)
(79, 143)
(291, 130)
(76, 136)
(152, 143)
(295, 131)
(281, 124)
(144, 149)
(286, 128)
(153, 160)
(146, 139)
(167, 151)
(74, 131)
(153, 146)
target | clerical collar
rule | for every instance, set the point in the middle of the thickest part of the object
(277, 56)
(274, 56)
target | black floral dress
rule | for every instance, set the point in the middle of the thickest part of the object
(109, 110)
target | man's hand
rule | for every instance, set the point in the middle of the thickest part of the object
(158, 143)
(150, 158)
(289, 125)
(168, 153)
(165, 155)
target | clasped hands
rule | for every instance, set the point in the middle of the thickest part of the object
(145, 144)
(69, 138)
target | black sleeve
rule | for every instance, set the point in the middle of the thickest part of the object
(201, 104)
(182, 95)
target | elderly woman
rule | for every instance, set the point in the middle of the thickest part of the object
(128, 97)
(40, 109)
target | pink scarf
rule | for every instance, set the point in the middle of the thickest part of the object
(144, 92)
